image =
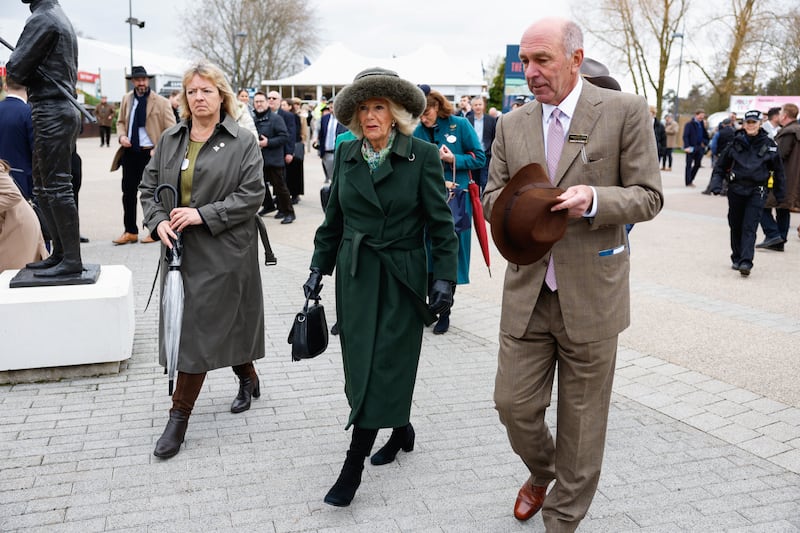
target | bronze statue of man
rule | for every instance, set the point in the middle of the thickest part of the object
(48, 48)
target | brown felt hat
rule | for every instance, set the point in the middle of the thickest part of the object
(597, 73)
(523, 227)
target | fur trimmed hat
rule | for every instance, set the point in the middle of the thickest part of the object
(378, 82)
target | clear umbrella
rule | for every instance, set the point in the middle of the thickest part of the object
(172, 296)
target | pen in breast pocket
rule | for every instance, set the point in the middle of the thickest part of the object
(612, 251)
(583, 154)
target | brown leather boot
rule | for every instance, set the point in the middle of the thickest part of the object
(183, 398)
(249, 386)
(170, 442)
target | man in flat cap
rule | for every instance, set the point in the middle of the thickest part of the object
(567, 308)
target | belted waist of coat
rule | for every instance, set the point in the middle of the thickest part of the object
(407, 243)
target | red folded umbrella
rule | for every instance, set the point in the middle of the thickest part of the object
(478, 222)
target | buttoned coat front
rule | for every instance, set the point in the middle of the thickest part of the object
(223, 318)
(373, 236)
(593, 289)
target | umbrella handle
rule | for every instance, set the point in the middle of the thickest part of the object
(170, 187)
(174, 256)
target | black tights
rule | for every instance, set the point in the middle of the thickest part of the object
(362, 441)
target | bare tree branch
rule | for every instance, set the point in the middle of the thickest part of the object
(642, 32)
(252, 39)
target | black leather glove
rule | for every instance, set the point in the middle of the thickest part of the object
(313, 285)
(441, 298)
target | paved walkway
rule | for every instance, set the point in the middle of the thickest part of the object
(704, 430)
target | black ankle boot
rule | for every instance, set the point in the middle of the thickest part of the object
(247, 387)
(170, 442)
(402, 438)
(343, 491)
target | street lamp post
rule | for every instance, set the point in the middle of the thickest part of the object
(236, 60)
(131, 23)
(678, 87)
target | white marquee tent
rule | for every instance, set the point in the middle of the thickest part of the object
(110, 61)
(337, 66)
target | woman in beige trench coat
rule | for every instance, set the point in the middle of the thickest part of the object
(21, 240)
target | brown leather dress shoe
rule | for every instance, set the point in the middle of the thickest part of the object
(126, 238)
(148, 239)
(529, 501)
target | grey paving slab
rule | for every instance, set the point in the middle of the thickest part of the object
(704, 427)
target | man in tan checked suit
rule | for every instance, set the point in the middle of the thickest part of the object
(608, 167)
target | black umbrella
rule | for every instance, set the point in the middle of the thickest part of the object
(172, 295)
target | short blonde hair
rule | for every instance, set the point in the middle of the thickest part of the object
(404, 121)
(215, 75)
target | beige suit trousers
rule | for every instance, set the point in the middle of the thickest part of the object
(523, 387)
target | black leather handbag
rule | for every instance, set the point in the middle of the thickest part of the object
(325, 195)
(309, 333)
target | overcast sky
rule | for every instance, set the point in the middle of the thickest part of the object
(376, 28)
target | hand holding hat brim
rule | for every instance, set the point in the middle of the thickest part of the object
(523, 227)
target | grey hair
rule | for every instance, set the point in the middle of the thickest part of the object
(405, 122)
(573, 37)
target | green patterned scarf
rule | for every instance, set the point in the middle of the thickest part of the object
(375, 159)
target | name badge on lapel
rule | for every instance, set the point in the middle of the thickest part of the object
(581, 139)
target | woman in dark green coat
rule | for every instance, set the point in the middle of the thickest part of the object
(387, 190)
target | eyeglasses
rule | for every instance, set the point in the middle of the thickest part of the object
(272, 97)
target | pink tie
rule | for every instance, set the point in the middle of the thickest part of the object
(555, 143)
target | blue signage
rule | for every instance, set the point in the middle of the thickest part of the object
(515, 84)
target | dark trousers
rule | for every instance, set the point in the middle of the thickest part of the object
(295, 179)
(693, 161)
(481, 176)
(666, 158)
(777, 226)
(105, 135)
(275, 176)
(744, 212)
(133, 162)
(77, 176)
(55, 126)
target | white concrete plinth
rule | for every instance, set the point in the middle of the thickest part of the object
(44, 327)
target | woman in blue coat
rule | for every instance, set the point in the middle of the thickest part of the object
(459, 147)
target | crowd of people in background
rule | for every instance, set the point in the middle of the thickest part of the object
(755, 164)
(392, 152)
